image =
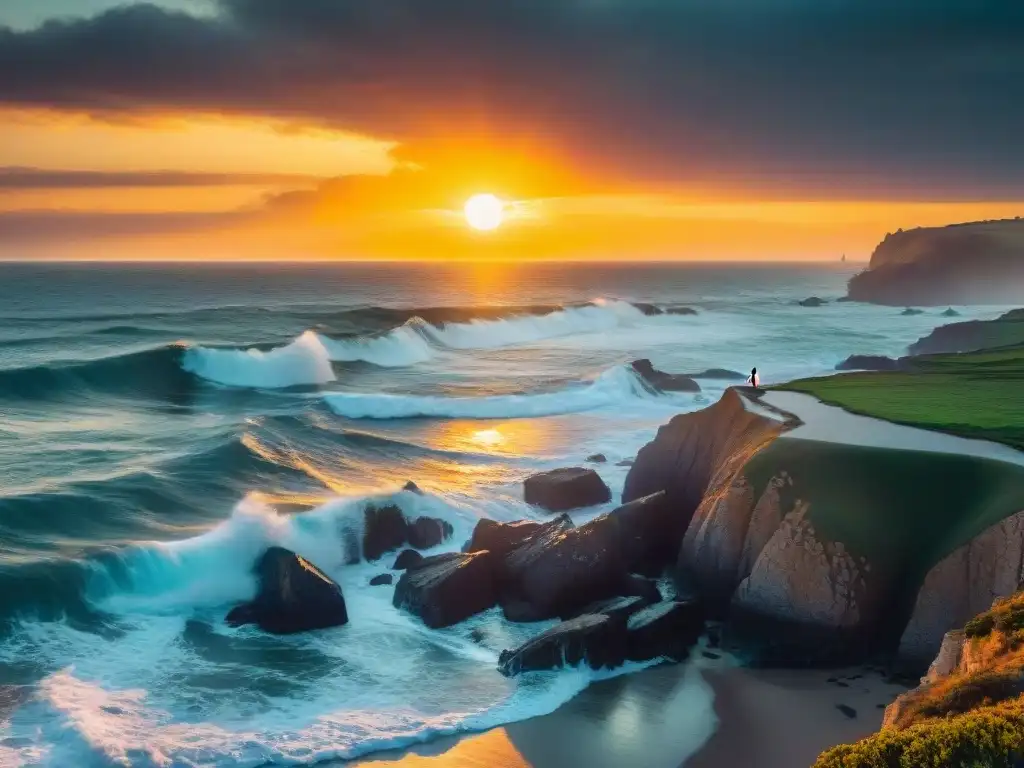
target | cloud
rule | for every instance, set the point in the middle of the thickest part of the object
(24, 228)
(922, 97)
(19, 178)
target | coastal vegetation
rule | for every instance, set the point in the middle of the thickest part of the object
(973, 717)
(974, 395)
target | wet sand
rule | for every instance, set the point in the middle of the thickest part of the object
(706, 714)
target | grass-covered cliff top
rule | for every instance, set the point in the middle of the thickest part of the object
(972, 718)
(976, 395)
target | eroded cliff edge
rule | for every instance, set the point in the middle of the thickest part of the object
(816, 551)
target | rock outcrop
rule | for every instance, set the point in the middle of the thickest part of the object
(695, 458)
(973, 335)
(407, 558)
(911, 311)
(446, 589)
(293, 595)
(813, 301)
(386, 529)
(975, 263)
(666, 629)
(561, 569)
(721, 374)
(648, 532)
(595, 639)
(501, 538)
(563, 489)
(964, 584)
(665, 382)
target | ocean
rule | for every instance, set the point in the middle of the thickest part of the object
(161, 425)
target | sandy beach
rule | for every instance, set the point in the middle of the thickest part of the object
(705, 714)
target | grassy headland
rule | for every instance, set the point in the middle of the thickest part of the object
(976, 395)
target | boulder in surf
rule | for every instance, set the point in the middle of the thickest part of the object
(427, 532)
(563, 489)
(446, 589)
(812, 301)
(381, 579)
(620, 608)
(561, 568)
(384, 529)
(407, 558)
(648, 532)
(595, 639)
(293, 595)
(666, 382)
(501, 538)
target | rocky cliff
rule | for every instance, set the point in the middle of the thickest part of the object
(973, 335)
(974, 263)
(816, 550)
(963, 584)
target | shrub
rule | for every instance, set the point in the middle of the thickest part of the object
(980, 626)
(990, 737)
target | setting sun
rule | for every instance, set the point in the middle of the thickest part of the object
(484, 212)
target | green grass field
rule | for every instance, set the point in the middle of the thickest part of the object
(976, 395)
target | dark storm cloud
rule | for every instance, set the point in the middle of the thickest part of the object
(18, 178)
(898, 97)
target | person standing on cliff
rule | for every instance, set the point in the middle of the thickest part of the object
(752, 379)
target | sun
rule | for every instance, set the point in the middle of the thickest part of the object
(484, 212)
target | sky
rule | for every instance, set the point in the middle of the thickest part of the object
(612, 129)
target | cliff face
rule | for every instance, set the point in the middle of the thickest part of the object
(698, 452)
(975, 263)
(815, 550)
(965, 583)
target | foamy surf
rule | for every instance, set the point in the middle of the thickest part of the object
(616, 385)
(304, 361)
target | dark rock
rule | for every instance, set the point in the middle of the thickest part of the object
(407, 558)
(620, 608)
(813, 301)
(721, 374)
(384, 529)
(868, 363)
(680, 311)
(427, 532)
(446, 589)
(522, 612)
(714, 638)
(637, 586)
(500, 538)
(666, 382)
(624, 463)
(664, 629)
(841, 684)
(651, 310)
(563, 489)
(951, 313)
(597, 458)
(647, 532)
(293, 595)
(910, 311)
(384, 578)
(710, 655)
(850, 712)
(844, 300)
(561, 568)
(598, 640)
(411, 486)
(477, 635)
(832, 680)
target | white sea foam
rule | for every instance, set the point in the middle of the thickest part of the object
(525, 329)
(616, 385)
(400, 347)
(304, 361)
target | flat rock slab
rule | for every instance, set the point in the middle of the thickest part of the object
(446, 589)
(597, 640)
(563, 489)
(500, 538)
(667, 629)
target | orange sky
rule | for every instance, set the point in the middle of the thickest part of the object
(378, 199)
